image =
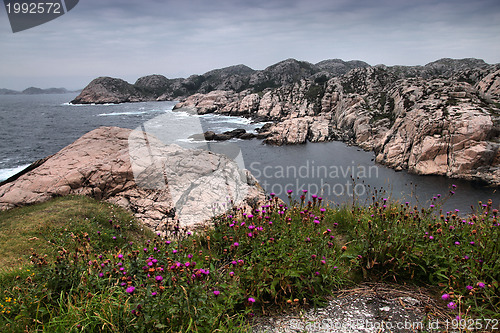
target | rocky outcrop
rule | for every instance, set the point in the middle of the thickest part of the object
(158, 183)
(105, 90)
(442, 118)
(233, 78)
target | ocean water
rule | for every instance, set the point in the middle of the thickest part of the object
(35, 126)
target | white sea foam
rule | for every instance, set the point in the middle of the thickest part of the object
(6, 173)
(131, 113)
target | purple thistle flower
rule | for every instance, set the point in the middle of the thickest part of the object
(159, 278)
(445, 297)
(469, 288)
(153, 293)
(236, 244)
(216, 293)
(481, 285)
(452, 306)
(251, 300)
(130, 289)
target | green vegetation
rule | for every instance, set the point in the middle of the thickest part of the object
(315, 93)
(102, 273)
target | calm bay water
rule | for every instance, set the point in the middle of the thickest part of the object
(35, 126)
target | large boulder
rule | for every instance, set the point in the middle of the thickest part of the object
(159, 183)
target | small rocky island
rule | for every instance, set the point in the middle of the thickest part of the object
(442, 118)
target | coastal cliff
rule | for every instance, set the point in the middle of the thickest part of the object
(442, 118)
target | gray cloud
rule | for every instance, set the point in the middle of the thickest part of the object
(129, 39)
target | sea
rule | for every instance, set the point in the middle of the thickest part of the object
(35, 126)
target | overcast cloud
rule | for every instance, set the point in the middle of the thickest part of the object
(129, 39)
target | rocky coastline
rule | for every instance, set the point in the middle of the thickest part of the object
(114, 164)
(442, 118)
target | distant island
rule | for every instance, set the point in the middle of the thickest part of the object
(36, 91)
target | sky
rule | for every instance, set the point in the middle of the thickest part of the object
(132, 38)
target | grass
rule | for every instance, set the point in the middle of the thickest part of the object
(102, 273)
(51, 225)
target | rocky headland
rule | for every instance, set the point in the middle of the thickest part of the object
(442, 118)
(115, 165)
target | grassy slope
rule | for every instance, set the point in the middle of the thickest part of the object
(48, 226)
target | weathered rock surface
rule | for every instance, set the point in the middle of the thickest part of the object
(115, 165)
(233, 78)
(105, 90)
(442, 118)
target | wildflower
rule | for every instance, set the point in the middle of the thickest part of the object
(251, 300)
(216, 293)
(457, 243)
(431, 237)
(231, 274)
(452, 306)
(289, 192)
(153, 293)
(236, 244)
(445, 297)
(323, 262)
(481, 285)
(316, 273)
(120, 256)
(130, 289)
(114, 237)
(159, 278)
(472, 243)
(469, 288)
(101, 274)
(272, 194)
